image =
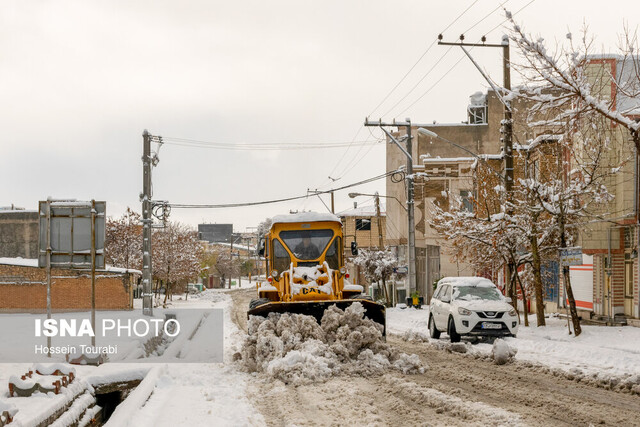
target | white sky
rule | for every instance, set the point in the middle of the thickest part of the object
(81, 80)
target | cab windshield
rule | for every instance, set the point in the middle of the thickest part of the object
(306, 244)
(473, 293)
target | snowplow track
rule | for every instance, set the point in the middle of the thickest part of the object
(455, 390)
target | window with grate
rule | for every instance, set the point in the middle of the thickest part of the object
(363, 224)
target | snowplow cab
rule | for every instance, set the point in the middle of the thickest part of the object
(305, 267)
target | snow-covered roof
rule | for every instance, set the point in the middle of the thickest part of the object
(430, 125)
(533, 143)
(235, 246)
(467, 281)
(33, 262)
(428, 159)
(304, 217)
(367, 211)
(24, 262)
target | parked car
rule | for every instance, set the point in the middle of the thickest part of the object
(471, 306)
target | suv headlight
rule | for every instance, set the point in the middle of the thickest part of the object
(464, 311)
(513, 312)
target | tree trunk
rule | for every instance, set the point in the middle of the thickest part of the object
(567, 283)
(537, 277)
(524, 301)
(572, 302)
(385, 291)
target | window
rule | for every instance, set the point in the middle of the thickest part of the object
(332, 256)
(281, 259)
(363, 224)
(306, 244)
(471, 293)
(438, 292)
(467, 204)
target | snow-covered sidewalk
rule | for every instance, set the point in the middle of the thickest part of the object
(170, 394)
(603, 351)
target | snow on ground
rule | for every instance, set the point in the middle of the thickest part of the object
(601, 352)
(195, 393)
(170, 394)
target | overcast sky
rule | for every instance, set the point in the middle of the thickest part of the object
(81, 80)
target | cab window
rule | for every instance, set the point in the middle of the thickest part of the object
(333, 254)
(281, 258)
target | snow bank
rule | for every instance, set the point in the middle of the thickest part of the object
(296, 349)
(502, 352)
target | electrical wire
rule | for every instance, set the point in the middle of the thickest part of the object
(339, 162)
(236, 205)
(463, 56)
(420, 59)
(265, 146)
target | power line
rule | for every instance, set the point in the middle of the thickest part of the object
(420, 59)
(264, 146)
(462, 57)
(392, 90)
(419, 81)
(287, 199)
(359, 159)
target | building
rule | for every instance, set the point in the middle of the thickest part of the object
(479, 133)
(216, 233)
(18, 233)
(363, 226)
(613, 243)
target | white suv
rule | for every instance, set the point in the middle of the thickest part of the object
(471, 306)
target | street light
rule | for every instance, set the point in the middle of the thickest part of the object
(353, 195)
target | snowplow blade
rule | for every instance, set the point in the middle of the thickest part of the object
(373, 311)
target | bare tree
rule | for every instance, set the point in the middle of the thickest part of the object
(123, 241)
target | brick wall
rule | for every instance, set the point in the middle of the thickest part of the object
(25, 288)
(365, 238)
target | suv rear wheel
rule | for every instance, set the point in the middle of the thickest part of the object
(433, 331)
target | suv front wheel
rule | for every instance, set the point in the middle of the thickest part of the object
(433, 331)
(455, 337)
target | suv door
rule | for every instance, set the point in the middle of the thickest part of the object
(435, 301)
(443, 307)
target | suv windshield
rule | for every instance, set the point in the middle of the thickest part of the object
(471, 293)
(306, 244)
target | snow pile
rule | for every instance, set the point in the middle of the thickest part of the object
(296, 349)
(318, 277)
(502, 352)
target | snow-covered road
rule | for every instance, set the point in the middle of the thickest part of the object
(540, 388)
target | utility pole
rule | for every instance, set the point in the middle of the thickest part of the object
(93, 271)
(49, 269)
(147, 301)
(410, 202)
(507, 122)
(333, 207)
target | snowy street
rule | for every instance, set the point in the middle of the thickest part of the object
(551, 381)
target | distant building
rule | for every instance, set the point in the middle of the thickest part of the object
(215, 233)
(18, 233)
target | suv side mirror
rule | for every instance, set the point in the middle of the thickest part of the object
(354, 248)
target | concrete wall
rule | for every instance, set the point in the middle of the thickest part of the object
(19, 234)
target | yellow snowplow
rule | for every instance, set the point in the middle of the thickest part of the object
(305, 269)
